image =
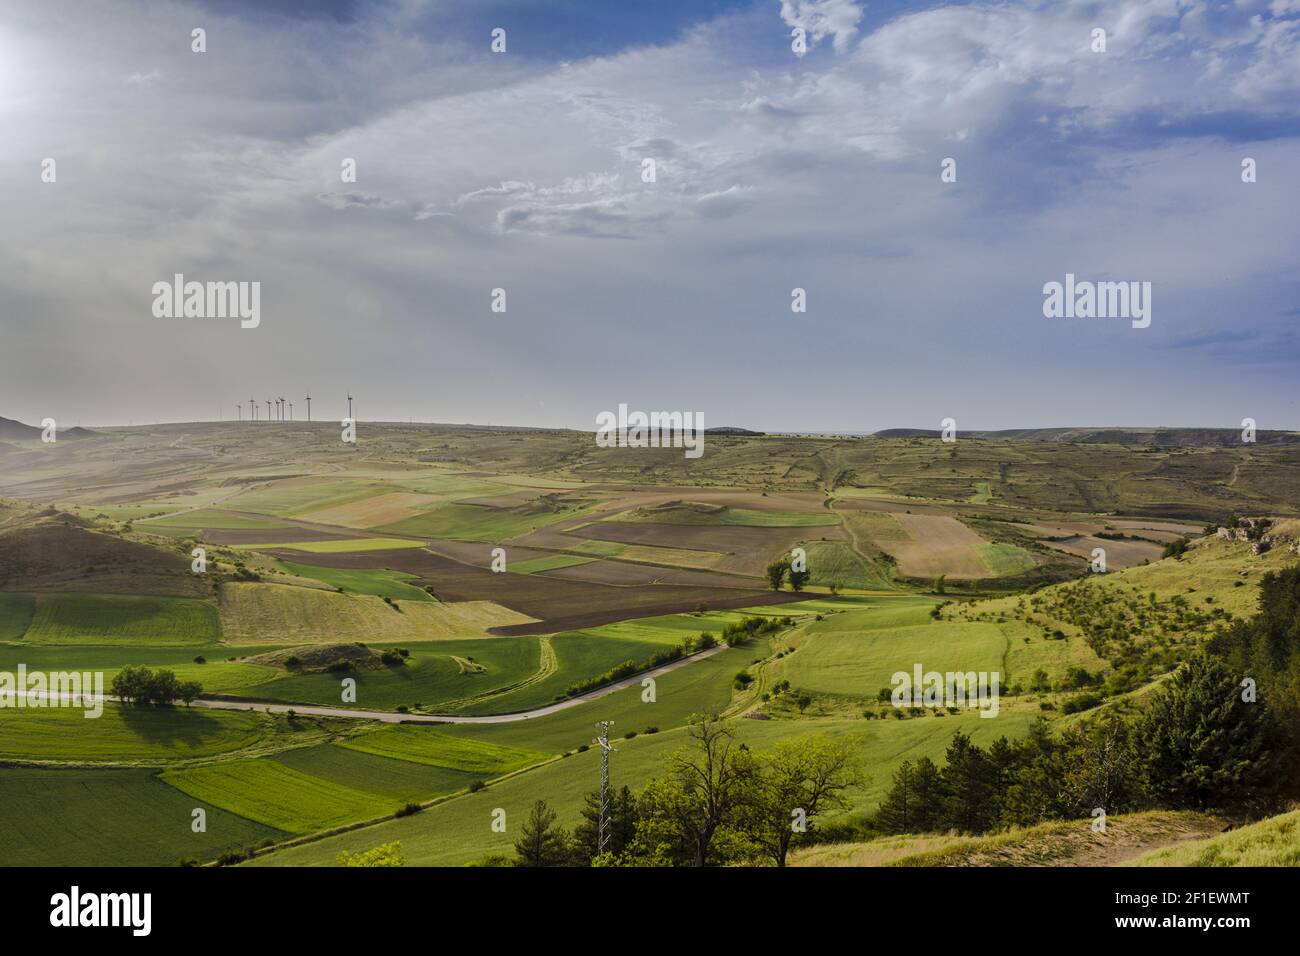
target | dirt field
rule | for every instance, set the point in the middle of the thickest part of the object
(938, 545)
(373, 512)
(1119, 554)
(746, 550)
(556, 603)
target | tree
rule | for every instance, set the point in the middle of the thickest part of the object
(971, 786)
(622, 830)
(685, 812)
(915, 802)
(542, 843)
(386, 854)
(794, 781)
(1201, 745)
(797, 579)
(776, 572)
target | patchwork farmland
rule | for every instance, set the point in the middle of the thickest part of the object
(389, 649)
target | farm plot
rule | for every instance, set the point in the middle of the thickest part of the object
(382, 584)
(121, 619)
(124, 733)
(297, 495)
(838, 659)
(103, 817)
(400, 780)
(555, 603)
(16, 612)
(431, 677)
(374, 511)
(422, 745)
(744, 550)
(257, 613)
(278, 796)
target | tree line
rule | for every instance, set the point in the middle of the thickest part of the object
(718, 802)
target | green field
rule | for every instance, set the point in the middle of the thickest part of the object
(431, 677)
(121, 619)
(100, 817)
(278, 796)
(389, 584)
(458, 832)
(340, 546)
(425, 746)
(210, 520)
(401, 780)
(1005, 560)
(289, 498)
(549, 563)
(476, 523)
(839, 657)
(835, 562)
(123, 734)
(16, 612)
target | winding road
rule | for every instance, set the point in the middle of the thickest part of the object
(389, 717)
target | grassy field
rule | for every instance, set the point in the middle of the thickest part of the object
(549, 563)
(1271, 842)
(209, 519)
(281, 614)
(476, 523)
(341, 546)
(426, 746)
(124, 733)
(400, 780)
(382, 584)
(121, 619)
(1060, 843)
(278, 796)
(16, 612)
(99, 817)
(459, 832)
(432, 677)
(835, 562)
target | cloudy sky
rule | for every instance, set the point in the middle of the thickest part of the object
(522, 170)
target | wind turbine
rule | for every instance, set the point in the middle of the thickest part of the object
(253, 406)
(281, 408)
(239, 410)
(308, 408)
(268, 409)
(291, 411)
(349, 406)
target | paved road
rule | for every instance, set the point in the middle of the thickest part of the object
(387, 716)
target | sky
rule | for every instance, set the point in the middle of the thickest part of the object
(775, 169)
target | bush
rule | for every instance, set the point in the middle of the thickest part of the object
(409, 810)
(476, 786)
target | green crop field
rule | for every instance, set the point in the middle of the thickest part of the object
(122, 619)
(390, 584)
(211, 520)
(549, 563)
(835, 562)
(476, 523)
(340, 546)
(278, 796)
(427, 746)
(286, 498)
(402, 780)
(99, 817)
(1005, 559)
(840, 659)
(16, 612)
(122, 734)
(431, 677)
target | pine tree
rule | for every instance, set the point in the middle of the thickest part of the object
(971, 786)
(542, 843)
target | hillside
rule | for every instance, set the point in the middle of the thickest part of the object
(11, 430)
(1068, 843)
(1271, 842)
(1159, 437)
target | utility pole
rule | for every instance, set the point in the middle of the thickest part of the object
(602, 839)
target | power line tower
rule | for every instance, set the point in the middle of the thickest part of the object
(602, 838)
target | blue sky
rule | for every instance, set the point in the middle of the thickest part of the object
(774, 170)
